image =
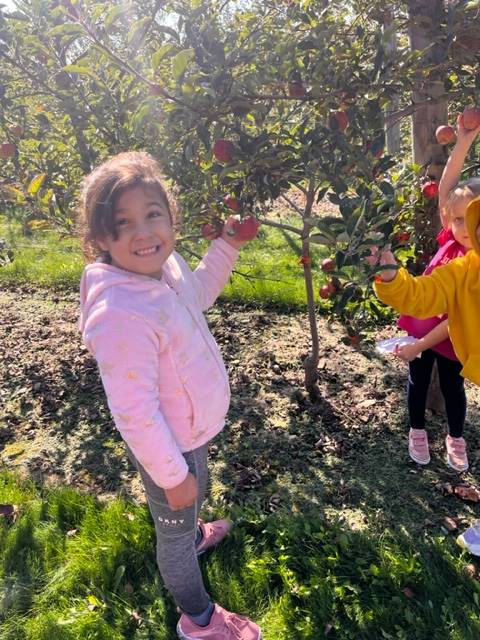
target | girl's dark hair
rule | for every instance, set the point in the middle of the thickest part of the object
(102, 188)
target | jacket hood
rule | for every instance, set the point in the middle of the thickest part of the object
(473, 220)
(101, 280)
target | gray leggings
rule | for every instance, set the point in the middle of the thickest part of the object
(176, 532)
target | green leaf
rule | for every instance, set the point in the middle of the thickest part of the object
(180, 62)
(67, 29)
(137, 29)
(386, 188)
(164, 29)
(318, 238)
(160, 54)
(114, 13)
(36, 183)
(119, 573)
(85, 71)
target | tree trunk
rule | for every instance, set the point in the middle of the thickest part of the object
(311, 361)
(426, 18)
(392, 132)
(425, 25)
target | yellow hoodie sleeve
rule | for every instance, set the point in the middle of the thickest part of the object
(421, 297)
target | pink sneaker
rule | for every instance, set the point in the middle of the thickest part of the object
(456, 453)
(213, 533)
(223, 626)
(418, 446)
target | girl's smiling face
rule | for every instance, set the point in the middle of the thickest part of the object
(145, 234)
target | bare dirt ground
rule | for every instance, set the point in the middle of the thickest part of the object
(345, 456)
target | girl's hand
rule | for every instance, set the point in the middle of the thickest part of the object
(231, 233)
(184, 494)
(465, 137)
(408, 352)
(387, 258)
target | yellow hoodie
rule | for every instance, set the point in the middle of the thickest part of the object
(454, 289)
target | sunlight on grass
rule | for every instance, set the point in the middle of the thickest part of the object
(73, 568)
(269, 265)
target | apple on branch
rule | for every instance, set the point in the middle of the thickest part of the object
(430, 189)
(328, 264)
(8, 150)
(245, 228)
(223, 150)
(471, 118)
(338, 121)
(233, 203)
(445, 134)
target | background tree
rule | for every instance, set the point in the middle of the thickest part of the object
(244, 103)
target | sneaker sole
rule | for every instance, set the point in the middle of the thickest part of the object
(182, 636)
(452, 466)
(417, 460)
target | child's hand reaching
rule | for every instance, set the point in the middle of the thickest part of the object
(465, 137)
(184, 494)
(387, 258)
(408, 352)
(238, 232)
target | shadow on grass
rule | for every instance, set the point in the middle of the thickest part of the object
(300, 577)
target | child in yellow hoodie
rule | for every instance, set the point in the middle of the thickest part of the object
(453, 289)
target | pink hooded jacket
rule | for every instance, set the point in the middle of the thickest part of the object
(161, 368)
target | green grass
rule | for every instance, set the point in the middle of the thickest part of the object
(272, 275)
(72, 568)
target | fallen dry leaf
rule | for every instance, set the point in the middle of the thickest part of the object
(467, 492)
(470, 570)
(450, 524)
(9, 511)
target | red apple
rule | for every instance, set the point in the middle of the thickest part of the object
(328, 264)
(210, 231)
(223, 150)
(338, 121)
(233, 204)
(7, 150)
(16, 131)
(402, 236)
(445, 134)
(471, 118)
(331, 287)
(296, 90)
(325, 291)
(430, 189)
(246, 228)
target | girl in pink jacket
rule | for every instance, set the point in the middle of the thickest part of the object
(163, 374)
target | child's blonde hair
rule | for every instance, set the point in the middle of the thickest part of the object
(102, 188)
(469, 188)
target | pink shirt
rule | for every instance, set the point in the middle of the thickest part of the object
(162, 371)
(449, 250)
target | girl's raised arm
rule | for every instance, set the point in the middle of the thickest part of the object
(453, 169)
